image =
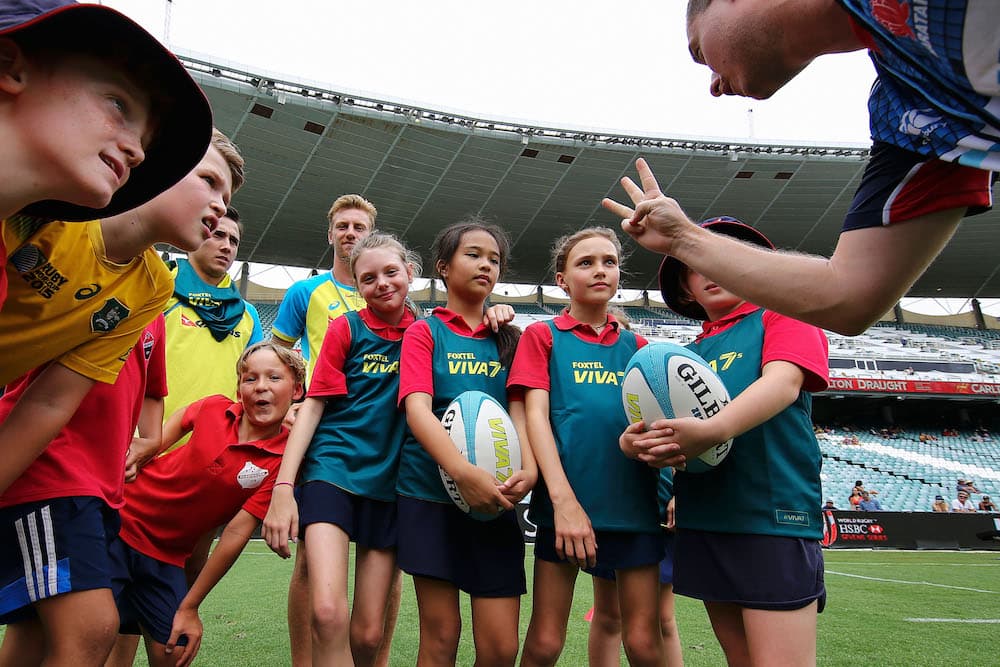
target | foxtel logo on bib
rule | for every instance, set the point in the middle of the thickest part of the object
(251, 476)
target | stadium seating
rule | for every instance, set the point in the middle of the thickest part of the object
(267, 312)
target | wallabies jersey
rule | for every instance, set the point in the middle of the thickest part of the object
(307, 309)
(459, 363)
(769, 484)
(938, 64)
(357, 442)
(586, 415)
(69, 302)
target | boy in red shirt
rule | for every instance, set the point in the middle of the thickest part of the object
(223, 475)
(59, 517)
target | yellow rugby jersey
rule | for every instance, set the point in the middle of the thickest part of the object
(307, 309)
(197, 364)
(67, 301)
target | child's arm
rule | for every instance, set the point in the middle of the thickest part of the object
(671, 442)
(234, 538)
(477, 486)
(523, 480)
(281, 523)
(575, 539)
(44, 408)
(146, 444)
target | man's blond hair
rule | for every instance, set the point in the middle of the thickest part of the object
(353, 201)
(232, 156)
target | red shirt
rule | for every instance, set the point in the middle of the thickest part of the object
(531, 363)
(416, 361)
(328, 377)
(785, 339)
(201, 485)
(87, 458)
(3, 272)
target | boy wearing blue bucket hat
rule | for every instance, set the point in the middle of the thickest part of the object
(747, 530)
(96, 116)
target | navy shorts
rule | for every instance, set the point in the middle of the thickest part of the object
(615, 550)
(666, 565)
(368, 522)
(900, 185)
(51, 547)
(149, 592)
(753, 571)
(482, 558)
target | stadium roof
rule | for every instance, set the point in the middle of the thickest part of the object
(425, 169)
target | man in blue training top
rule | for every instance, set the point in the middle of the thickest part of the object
(936, 131)
(869, 504)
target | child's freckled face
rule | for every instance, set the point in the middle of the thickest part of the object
(383, 280)
(266, 389)
(89, 123)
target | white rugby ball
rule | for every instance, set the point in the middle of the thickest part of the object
(485, 435)
(667, 381)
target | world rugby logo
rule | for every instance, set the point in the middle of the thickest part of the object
(27, 259)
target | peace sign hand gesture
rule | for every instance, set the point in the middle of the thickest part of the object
(657, 221)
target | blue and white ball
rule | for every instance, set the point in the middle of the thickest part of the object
(485, 435)
(667, 381)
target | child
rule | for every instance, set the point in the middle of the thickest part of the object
(82, 293)
(86, 97)
(223, 475)
(605, 638)
(593, 506)
(344, 448)
(59, 518)
(748, 531)
(445, 550)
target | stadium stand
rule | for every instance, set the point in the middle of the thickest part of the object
(267, 312)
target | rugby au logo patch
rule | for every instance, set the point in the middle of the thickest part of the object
(251, 476)
(109, 316)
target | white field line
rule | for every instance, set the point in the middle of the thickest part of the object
(912, 583)
(952, 620)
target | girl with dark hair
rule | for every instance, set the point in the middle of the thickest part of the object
(445, 550)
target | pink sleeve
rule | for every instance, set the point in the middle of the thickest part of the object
(328, 377)
(802, 344)
(530, 368)
(156, 374)
(416, 361)
(640, 342)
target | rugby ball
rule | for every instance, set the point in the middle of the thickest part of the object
(667, 381)
(485, 435)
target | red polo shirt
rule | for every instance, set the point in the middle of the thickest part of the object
(87, 458)
(530, 369)
(416, 362)
(328, 375)
(200, 486)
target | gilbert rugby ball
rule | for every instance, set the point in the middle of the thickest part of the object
(667, 381)
(485, 435)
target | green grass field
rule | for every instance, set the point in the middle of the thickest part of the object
(873, 599)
